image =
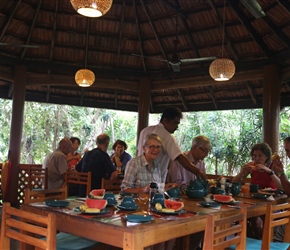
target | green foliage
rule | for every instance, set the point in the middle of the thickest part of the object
(232, 133)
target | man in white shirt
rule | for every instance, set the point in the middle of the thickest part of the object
(169, 122)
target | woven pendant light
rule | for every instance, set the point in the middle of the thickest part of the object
(85, 77)
(92, 8)
(222, 69)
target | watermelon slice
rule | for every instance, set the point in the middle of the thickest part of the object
(222, 198)
(96, 203)
(176, 205)
(97, 193)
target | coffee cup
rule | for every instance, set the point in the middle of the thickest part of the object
(158, 198)
(128, 201)
(174, 192)
(254, 188)
(110, 197)
(235, 188)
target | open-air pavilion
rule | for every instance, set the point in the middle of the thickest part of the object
(137, 52)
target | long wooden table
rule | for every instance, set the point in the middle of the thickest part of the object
(117, 232)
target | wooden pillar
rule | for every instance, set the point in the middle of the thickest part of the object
(16, 130)
(144, 104)
(271, 105)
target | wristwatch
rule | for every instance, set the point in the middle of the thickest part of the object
(271, 173)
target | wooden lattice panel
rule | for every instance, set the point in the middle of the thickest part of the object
(31, 176)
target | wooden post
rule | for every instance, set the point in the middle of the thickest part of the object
(271, 105)
(16, 130)
(144, 104)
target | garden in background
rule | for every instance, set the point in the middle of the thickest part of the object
(232, 132)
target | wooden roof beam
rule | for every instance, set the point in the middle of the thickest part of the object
(120, 33)
(212, 96)
(154, 31)
(220, 21)
(140, 38)
(31, 28)
(256, 37)
(251, 92)
(184, 103)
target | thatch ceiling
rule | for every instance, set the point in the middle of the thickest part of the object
(68, 41)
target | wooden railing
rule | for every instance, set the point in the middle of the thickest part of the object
(214, 176)
(27, 178)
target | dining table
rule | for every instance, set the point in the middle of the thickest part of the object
(111, 226)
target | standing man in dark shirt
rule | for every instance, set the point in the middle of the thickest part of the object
(99, 163)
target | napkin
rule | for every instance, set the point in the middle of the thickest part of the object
(270, 198)
(129, 224)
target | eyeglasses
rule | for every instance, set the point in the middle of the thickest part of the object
(206, 151)
(154, 147)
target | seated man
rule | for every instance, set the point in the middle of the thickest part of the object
(99, 163)
(199, 150)
(56, 164)
(178, 174)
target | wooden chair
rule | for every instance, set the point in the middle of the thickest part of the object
(38, 231)
(28, 228)
(276, 215)
(227, 231)
(80, 178)
(112, 185)
(38, 195)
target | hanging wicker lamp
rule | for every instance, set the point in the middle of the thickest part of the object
(85, 77)
(92, 8)
(222, 69)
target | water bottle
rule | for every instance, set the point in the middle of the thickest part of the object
(152, 191)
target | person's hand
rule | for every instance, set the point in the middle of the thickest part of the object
(277, 166)
(262, 167)
(201, 175)
(247, 168)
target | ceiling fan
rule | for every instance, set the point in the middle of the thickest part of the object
(175, 62)
(19, 45)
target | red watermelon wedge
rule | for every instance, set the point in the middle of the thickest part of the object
(97, 193)
(96, 203)
(222, 198)
(176, 205)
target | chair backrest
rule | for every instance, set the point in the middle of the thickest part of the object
(37, 177)
(81, 178)
(27, 228)
(276, 215)
(224, 232)
(112, 185)
(38, 195)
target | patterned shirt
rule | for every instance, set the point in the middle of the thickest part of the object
(170, 149)
(178, 174)
(137, 173)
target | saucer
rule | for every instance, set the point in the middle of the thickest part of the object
(127, 208)
(57, 203)
(138, 218)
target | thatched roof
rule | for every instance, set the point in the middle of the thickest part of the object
(68, 41)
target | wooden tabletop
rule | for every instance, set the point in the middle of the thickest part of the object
(113, 229)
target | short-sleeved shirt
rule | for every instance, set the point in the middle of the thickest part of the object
(178, 174)
(56, 165)
(124, 158)
(170, 147)
(137, 173)
(99, 163)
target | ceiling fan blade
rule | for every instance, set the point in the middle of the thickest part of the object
(163, 60)
(175, 67)
(19, 45)
(198, 59)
